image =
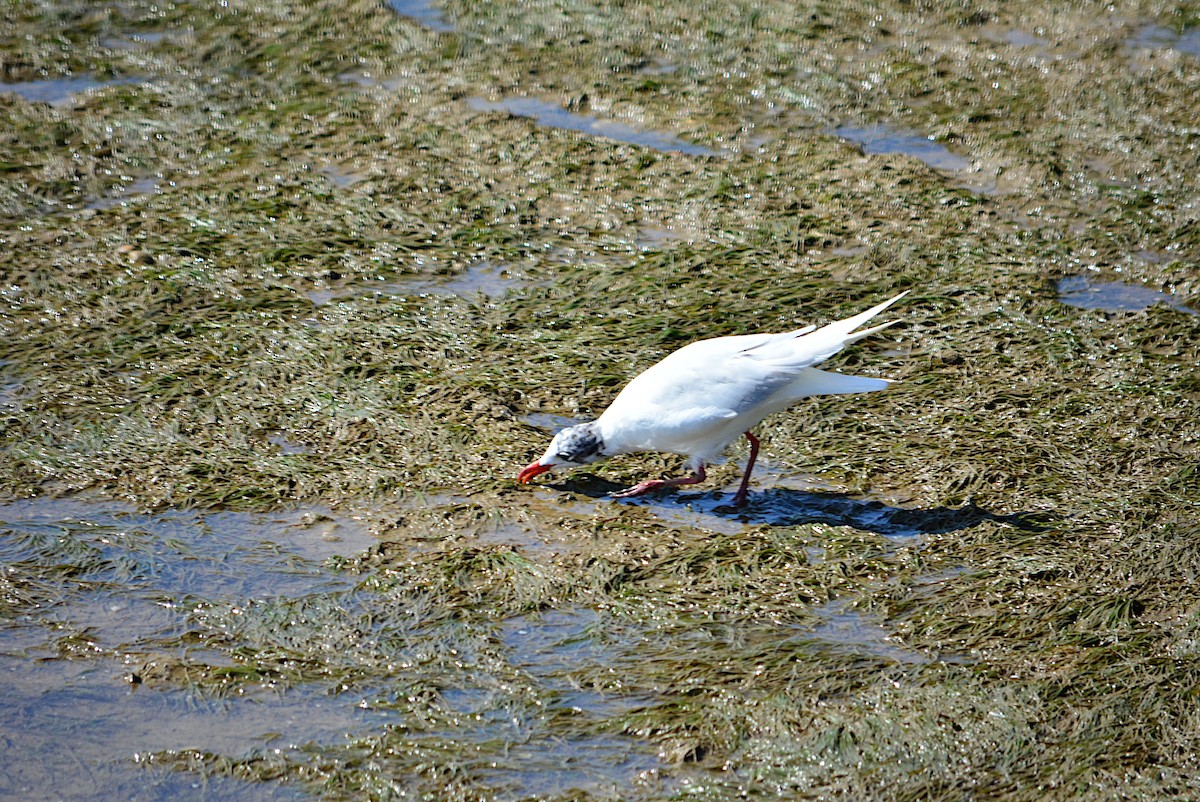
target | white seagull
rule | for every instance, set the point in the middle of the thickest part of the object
(697, 400)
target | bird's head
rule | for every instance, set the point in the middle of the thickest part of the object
(575, 445)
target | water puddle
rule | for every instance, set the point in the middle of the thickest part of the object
(551, 645)
(851, 249)
(510, 766)
(427, 523)
(424, 12)
(364, 79)
(93, 579)
(1114, 296)
(287, 446)
(779, 498)
(1158, 37)
(883, 140)
(555, 117)
(341, 177)
(481, 279)
(658, 67)
(10, 395)
(122, 193)
(121, 576)
(321, 297)
(592, 767)
(61, 716)
(776, 499)
(61, 91)
(653, 238)
(1013, 36)
(781, 506)
(1152, 257)
(846, 628)
(132, 41)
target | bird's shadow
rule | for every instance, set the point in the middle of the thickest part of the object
(782, 506)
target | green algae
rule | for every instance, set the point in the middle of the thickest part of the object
(169, 351)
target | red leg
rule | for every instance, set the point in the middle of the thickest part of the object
(739, 498)
(658, 484)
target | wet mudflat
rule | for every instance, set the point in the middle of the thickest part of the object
(290, 291)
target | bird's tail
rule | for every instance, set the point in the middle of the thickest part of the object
(820, 382)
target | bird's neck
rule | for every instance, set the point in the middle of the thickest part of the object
(616, 438)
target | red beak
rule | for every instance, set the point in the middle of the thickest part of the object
(531, 470)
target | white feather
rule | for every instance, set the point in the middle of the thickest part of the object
(700, 398)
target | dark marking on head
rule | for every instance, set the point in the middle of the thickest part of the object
(578, 445)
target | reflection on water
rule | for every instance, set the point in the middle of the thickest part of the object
(555, 117)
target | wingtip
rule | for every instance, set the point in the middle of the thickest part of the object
(889, 302)
(858, 335)
(851, 323)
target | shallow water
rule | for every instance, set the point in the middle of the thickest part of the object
(1114, 296)
(118, 587)
(784, 506)
(883, 139)
(123, 193)
(287, 446)
(9, 395)
(551, 115)
(340, 176)
(551, 422)
(851, 630)
(423, 12)
(62, 716)
(60, 91)
(122, 577)
(482, 278)
(552, 638)
(651, 238)
(107, 580)
(551, 643)
(1015, 37)
(1153, 37)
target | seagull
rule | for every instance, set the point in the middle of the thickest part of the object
(697, 400)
